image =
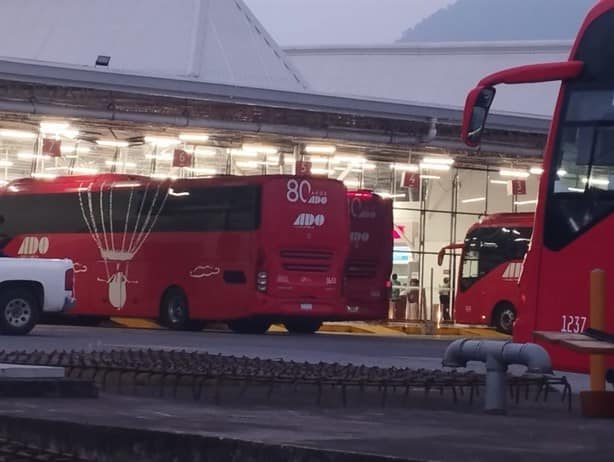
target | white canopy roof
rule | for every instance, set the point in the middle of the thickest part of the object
(431, 73)
(218, 41)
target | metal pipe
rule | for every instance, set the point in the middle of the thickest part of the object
(497, 356)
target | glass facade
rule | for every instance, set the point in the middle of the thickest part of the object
(447, 204)
(435, 199)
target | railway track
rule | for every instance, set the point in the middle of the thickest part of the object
(174, 371)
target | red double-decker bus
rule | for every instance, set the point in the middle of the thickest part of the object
(370, 256)
(574, 221)
(246, 250)
(490, 265)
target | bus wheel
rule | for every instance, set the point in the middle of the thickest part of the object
(303, 326)
(249, 326)
(503, 317)
(19, 311)
(174, 310)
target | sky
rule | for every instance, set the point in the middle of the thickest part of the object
(341, 22)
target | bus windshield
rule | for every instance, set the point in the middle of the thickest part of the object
(582, 182)
(488, 247)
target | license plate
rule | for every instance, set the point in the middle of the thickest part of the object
(306, 306)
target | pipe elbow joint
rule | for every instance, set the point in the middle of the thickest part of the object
(537, 359)
(454, 357)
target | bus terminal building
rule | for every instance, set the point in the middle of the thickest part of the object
(202, 89)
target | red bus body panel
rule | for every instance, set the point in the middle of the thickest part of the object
(203, 264)
(370, 256)
(304, 249)
(475, 305)
(554, 285)
(547, 306)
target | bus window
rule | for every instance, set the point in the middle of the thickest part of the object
(470, 264)
(487, 248)
(582, 187)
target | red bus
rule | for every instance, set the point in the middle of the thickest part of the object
(490, 265)
(246, 250)
(370, 257)
(574, 221)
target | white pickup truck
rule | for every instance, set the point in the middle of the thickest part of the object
(31, 286)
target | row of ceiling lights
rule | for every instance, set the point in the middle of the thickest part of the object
(63, 129)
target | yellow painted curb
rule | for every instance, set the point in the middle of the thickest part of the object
(277, 328)
(414, 329)
(482, 332)
(344, 328)
(136, 323)
(350, 328)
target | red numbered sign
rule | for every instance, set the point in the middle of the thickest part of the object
(182, 158)
(52, 147)
(303, 168)
(410, 180)
(517, 188)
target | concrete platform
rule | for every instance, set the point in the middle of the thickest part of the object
(116, 425)
(20, 381)
(13, 371)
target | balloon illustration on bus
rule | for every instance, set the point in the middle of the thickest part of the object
(120, 228)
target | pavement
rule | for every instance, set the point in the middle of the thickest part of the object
(416, 352)
(358, 327)
(422, 430)
(531, 434)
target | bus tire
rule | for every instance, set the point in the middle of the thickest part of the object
(249, 326)
(503, 317)
(19, 311)
(174, 313)
(303, 326)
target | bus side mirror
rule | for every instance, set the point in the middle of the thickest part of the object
(477, 106)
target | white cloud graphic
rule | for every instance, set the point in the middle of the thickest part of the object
(204, 271)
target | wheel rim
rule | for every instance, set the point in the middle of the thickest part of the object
(507, 320)
(176, 311)
(18, 312)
